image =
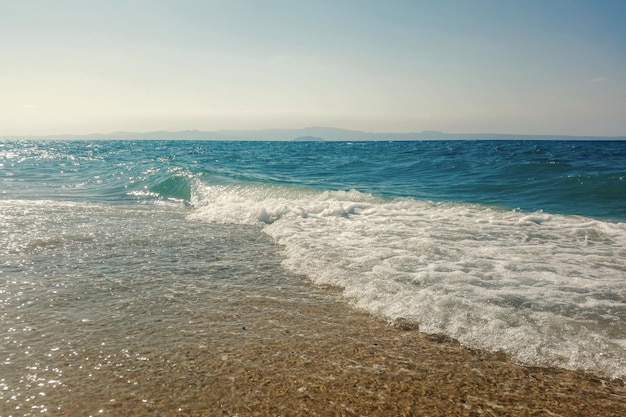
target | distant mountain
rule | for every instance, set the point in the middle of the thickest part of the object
(307, 139)
(307, 134)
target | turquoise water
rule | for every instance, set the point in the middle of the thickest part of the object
(584, 178)
(507, 246)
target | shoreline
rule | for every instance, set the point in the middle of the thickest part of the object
(281, 357)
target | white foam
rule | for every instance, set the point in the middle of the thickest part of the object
(545, 288)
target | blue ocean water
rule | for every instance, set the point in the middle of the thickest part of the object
(583, 178)
(513, 246)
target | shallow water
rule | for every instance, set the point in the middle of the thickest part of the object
(93, 295)
(139, 310)
(121, 256)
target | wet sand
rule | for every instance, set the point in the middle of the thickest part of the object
(267, 356)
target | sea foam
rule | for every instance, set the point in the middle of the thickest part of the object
(546, 289)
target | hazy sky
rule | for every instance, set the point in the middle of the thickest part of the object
(534, 67)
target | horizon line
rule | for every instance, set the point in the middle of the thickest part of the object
(302, 130)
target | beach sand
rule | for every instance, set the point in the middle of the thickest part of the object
(267, 356)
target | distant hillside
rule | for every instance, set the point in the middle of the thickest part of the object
(308, 139)
(307, 134)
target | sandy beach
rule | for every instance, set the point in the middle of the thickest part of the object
(268, 357)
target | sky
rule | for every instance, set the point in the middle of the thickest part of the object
(483, 66)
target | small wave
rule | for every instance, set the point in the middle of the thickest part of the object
(476, 273)
(264, 203)
(175, 187)
(536, 218)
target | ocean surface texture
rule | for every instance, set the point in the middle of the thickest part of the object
(508, 246)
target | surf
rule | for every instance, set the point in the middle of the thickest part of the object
(546, 289)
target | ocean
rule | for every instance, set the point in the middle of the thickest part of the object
(116, 254)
